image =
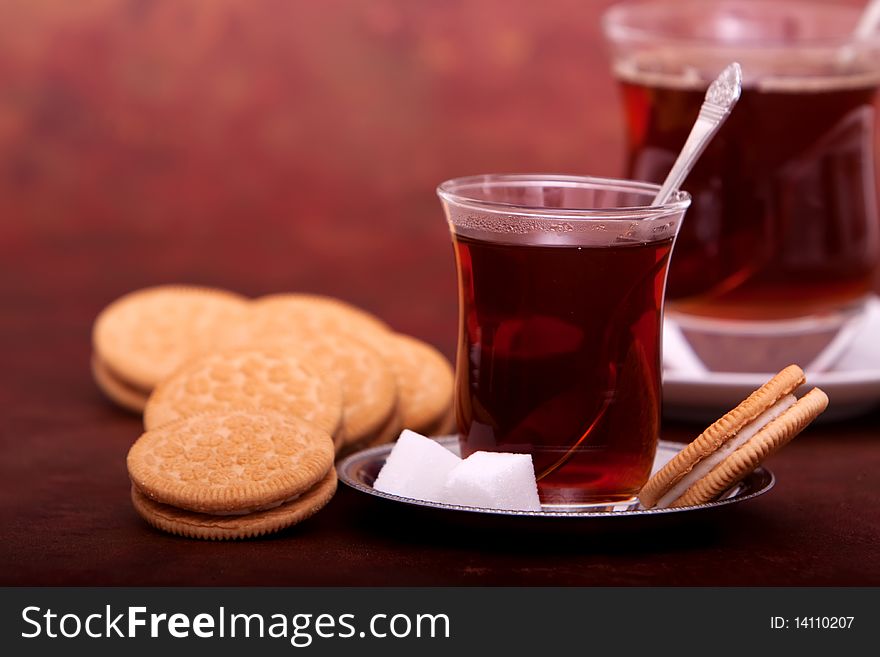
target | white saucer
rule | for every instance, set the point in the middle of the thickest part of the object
(852, 381)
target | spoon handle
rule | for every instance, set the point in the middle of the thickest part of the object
(868, 22)
(720, 99)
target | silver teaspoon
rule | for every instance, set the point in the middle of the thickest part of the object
(720, 99)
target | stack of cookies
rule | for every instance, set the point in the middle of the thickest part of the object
(237, 474)
(220, 379)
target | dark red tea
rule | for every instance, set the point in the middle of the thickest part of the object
(558, 356)
(783, 222)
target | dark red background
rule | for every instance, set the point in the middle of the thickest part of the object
(277, 145)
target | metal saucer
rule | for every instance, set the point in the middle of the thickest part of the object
(359, 471)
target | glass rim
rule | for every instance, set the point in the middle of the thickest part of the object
(617, 30)
(449, 191)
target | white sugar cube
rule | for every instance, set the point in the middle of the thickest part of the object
(417, 467)
(494, 480)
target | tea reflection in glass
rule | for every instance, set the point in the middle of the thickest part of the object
(783, 225)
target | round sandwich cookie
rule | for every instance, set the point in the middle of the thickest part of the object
(424, 381)
(251, 525)
(235, 463)
(736, 444)
(387, 433)
(279, 314)
(271, 380)
(121, 392)
(369, 391)
(145, 335)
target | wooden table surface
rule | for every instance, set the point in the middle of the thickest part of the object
(267, 146)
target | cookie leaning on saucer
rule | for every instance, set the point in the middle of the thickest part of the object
(271, 380)
(736, 444)
(234, 468)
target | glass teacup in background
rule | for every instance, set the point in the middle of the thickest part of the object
(561, 282)
(780, 247)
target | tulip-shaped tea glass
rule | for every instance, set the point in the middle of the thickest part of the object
(561, 282)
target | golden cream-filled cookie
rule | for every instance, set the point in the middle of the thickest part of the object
(736, 444)
(272, 380)
(369, 390)
(145, 335)
(121, 392)
(231, 463)
(424, 381)
(277, 315)
(251, 525)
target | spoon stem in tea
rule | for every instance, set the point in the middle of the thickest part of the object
(868, 22)
(720, 99)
